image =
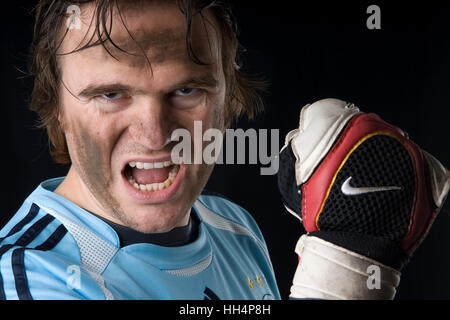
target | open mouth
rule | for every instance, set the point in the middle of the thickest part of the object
(151, 176)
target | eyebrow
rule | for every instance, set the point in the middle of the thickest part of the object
(95, 89)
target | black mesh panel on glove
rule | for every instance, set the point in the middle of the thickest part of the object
(372, 223)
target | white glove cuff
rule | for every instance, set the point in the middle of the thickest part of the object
(326, 271)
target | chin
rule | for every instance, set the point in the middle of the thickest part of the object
(157, 218)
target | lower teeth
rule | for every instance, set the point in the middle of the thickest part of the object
(156, 186)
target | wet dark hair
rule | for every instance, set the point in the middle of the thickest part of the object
(242, 89)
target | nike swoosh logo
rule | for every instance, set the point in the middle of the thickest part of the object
(348, 190)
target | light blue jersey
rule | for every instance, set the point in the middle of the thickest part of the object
(53, 249)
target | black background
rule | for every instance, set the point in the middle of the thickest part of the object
(308, 52)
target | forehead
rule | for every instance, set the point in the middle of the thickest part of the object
(151, 32)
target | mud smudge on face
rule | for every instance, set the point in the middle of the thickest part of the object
(94, 168)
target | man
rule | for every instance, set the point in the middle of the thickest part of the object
(122, 224)
(112, 83)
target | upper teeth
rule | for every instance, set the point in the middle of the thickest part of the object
(150, 165)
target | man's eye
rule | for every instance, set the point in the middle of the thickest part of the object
(112, 96)
(186, 92)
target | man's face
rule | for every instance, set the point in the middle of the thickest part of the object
(118, 114)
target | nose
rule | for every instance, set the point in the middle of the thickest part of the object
(151, 125)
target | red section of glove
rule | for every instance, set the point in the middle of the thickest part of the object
(424, 211)
(315, 190)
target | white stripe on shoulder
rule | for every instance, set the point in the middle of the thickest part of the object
(193, 270)
(96, 253)
(222, 223)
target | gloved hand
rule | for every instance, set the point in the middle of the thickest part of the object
(366, 195)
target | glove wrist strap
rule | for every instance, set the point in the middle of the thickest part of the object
(327, 271)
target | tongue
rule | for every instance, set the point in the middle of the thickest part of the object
(150, 176)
